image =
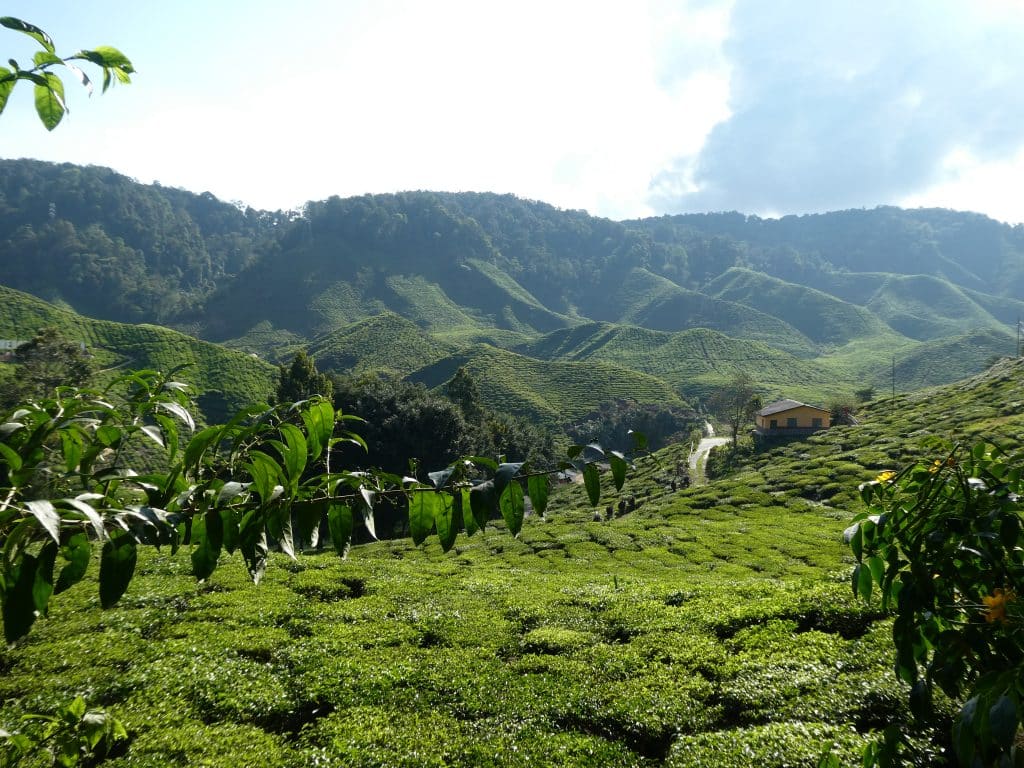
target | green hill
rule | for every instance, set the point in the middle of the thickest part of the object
(225, 380)
(924, 307)
(822, 318)
(950, 359)
(549, 391)
(684, 309)
(695, 362)
(386, 344)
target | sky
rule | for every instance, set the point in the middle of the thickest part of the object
(624, 109)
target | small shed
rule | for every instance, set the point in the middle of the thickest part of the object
(791, 417)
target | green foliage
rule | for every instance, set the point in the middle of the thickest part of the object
(414, 284)
(49, 88)
(823, 318)
(301, 380)
(659, 423)
(385, 344)
(264, 477)
(73, 734)
(45, 362)
(942, 543)
(736, 403)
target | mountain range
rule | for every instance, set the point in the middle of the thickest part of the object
(554, 311)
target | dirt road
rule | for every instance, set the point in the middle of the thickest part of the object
(700, 456)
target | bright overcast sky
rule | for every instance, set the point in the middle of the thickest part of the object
(624, 109)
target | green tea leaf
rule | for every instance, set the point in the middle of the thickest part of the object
(295, 454)
(421, 515)
(199, 444)
(208, 545)
(440, 478)
(482, 502)
(19, 608)
(42, 585)
(117, 566)
(32, 31)
(504, 475)
(307, 516)
(252, 541)
(460, 506)
(44, 511)
(592, 482)
(864, 582)
(265, 473)
(618, 465)
(76, 551)
(513, 507)
(11, 458)
(7, 82)
(444, 520)
(339, 523)
(537, 486)
(1003, 721)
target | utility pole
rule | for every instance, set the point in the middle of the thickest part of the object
(894, 382)
(1018, 334)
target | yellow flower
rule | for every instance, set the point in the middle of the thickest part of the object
(936, 466)
(885, 477)
(996, 603)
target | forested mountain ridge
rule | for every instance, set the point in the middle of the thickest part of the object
(841, 292)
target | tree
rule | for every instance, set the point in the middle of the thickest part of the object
(613, 421)
(301, 380)
(49, 88)
(865, 394)
(736, 403)
(462, 390)
(941, 542)
(47, 361)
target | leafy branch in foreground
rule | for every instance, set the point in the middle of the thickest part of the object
(74, 733)
(49, 88)
(263, 477)
(943, 543)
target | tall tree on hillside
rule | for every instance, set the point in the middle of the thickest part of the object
(736, 403)
(46, 362)
(301, 380)
(462, 390)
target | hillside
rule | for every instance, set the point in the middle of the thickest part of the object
(550, 391)
(709, 626)
(811, 306)
(695, 362)
(386, 344)
(224, 380)
(822, 318)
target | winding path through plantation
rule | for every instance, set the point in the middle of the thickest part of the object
(699, 458)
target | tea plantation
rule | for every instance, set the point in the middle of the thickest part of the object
(712, 626)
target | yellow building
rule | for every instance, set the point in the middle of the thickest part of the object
(789, 417)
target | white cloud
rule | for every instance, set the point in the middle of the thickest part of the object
(970, 184)
(849, 104)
